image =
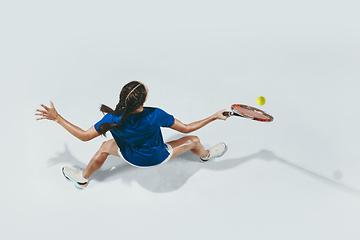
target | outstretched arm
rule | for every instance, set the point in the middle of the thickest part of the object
(50, 113)
(188, 128)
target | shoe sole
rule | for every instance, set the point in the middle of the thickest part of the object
(72, 180)
(225, 150)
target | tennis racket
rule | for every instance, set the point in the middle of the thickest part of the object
(245, 111)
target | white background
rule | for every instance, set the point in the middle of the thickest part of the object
(295, 178)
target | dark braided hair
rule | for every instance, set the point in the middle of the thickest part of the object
(132, 96)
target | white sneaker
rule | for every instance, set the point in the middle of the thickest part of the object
(216, 151)
(74, 176)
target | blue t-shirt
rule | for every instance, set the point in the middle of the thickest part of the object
(139, 137)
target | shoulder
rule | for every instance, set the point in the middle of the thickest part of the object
(109, 118)
(155, 111)
(150, 109)
(163, 118)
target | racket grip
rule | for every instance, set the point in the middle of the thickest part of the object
(227, 113)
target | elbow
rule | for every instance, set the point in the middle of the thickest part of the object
(186, 130)
(84, 138)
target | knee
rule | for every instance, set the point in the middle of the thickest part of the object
(105, 146)
(194, 139)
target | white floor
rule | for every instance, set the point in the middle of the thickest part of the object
(295, 178)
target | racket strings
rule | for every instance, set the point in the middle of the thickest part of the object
(251, 112)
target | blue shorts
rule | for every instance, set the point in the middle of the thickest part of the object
(168, 148)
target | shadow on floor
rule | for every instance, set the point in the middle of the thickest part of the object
(175, 173)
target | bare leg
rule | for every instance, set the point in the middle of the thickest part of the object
(106, 149)
(187, 143)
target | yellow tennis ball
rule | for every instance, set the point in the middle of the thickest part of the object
(261, 100)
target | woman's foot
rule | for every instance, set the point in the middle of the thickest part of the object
(75, 176)
(216, 151)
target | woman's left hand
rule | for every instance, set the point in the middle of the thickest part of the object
(219, 115)
(48, 112)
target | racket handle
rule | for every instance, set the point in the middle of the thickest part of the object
(227, 113)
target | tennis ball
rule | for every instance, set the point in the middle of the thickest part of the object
(261, 100)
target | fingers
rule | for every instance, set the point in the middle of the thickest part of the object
(41, 111)
(219, 115)
(43, 116)
(224, 110)
(224, 117)
(45, 107)
(51, 105)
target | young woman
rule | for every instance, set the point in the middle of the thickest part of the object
(136, 134)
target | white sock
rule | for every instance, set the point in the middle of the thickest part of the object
(81, 176)
(207, 156)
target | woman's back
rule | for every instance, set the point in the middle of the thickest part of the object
(139, 137)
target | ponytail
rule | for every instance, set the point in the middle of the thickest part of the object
(132, 96)
(106, 109)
